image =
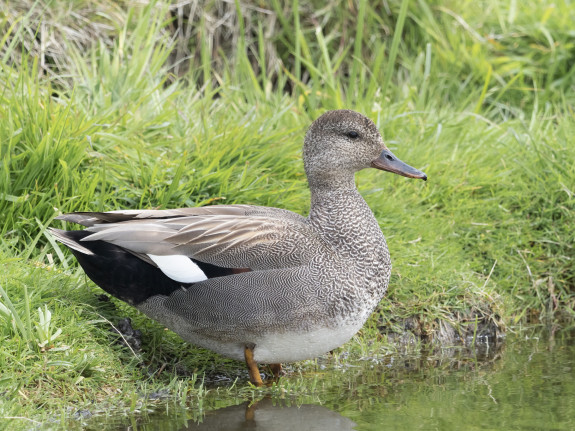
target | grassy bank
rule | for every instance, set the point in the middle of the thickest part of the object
(185, 107)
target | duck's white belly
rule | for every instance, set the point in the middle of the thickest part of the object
(292, 347)
(278, 347)
(271, 346)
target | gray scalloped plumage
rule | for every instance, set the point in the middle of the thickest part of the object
(295, 287)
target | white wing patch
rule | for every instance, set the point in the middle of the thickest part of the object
(179, 268)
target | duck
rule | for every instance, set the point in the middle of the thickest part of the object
(257, 284)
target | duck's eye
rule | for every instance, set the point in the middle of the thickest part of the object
(352, 134)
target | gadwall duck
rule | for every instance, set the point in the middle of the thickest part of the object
(259, 284)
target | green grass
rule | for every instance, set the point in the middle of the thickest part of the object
(479, 95)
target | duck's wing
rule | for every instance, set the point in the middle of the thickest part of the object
(88, 219)
(241, 236)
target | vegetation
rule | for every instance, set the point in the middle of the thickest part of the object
(107, 105)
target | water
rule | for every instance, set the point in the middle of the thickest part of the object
(528, 384)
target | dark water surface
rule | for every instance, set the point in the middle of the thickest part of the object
(527, 384)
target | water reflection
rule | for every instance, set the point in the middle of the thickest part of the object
(264, 415)
(528, 384)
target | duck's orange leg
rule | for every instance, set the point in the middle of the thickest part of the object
(276, 370)
(255, 376)
(251, 412)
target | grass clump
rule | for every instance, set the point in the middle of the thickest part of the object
(164, 106)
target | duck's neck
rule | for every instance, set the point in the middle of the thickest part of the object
(346, 221)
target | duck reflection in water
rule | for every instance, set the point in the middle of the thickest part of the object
(264, 415)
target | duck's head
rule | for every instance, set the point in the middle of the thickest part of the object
(340, 143)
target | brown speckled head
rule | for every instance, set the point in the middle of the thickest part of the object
(342, 142)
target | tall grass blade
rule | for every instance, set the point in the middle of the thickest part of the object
(397, 34)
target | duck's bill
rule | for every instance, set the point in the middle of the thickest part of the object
(387, 161)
